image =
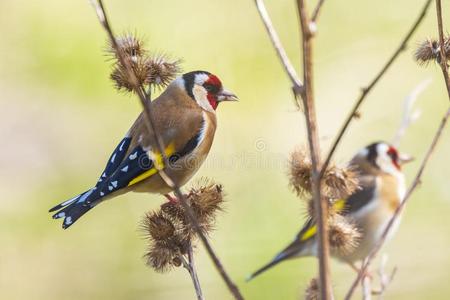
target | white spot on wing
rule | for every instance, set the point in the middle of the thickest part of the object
(114, 183)
(113, 158)
(133, 156)
(68, 220)
(121, 146)
(124, 169)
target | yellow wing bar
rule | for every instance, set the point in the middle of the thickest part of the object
(157, 162)
(338, 205)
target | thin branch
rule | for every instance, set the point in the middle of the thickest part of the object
(316, 11)
(276, 42)
(190, 267)
(366, 90)
(321, 207)
(409, 115)
(443, 61)
(398, 211)
(150, 124)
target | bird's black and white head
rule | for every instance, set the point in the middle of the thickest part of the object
(205, 88)
(381, 157)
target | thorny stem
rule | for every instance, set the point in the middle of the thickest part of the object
(443, 61)
(321, 207)
(150, 124)
(398, 211)
(366, 90)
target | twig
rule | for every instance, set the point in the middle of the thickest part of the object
(190, 266)
(316, 11)
(321, 207)
(366, 90)
(305, 92)
(288, 67)
(409, 116)
(443, 61)
(100, 10)
(400, 208)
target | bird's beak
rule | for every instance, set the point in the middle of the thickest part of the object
(404, 158)
(225, 95)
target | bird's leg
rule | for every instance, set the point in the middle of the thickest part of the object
(172, 199)
(357, 270)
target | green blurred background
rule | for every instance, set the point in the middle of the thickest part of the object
(60, 118)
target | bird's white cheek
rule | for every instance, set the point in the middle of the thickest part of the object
(200, 96)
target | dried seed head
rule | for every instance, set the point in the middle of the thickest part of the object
(339, 182)
(159, 226)
(160, 257)
(312, 290)
(429, 50)
(343, 236)
(123, 81)
(166, 239)
(130, 45)
(300, 172)
(162, 70)
(174, 210)
(206, 199)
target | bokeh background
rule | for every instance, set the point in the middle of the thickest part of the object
(60, 118)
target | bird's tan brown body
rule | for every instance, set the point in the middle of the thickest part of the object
(179, 119)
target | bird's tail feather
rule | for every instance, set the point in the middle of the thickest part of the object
(72, 209)
(279, 258)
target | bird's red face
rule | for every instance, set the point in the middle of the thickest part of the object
(213, 86)
(206, 89)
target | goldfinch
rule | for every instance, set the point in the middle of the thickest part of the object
(185, 118)
(382, 188)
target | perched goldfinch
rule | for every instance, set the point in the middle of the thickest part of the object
(370, 208)
(185, 118)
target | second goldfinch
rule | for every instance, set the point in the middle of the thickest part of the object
(369, 209)
(185, 118)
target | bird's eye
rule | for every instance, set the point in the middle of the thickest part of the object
(210, 88)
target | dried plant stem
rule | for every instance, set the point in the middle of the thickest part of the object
(314, 149)
(305, 92)
(443, 61)
(366, 90)
(190, 267)
(409, 115)
(400, 208)
(316, 11)
(145, 101)
(284, 59)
